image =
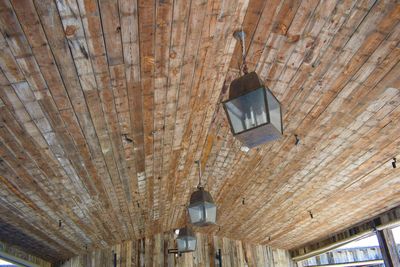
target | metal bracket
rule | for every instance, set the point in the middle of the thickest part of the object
(174, 251)
(218, 257)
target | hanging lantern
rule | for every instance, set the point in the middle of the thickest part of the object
(186, 240)
(202, 209)
(253, 112)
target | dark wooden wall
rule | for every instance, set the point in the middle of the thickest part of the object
(17, 252)
(153, 252)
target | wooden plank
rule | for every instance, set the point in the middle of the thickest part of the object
(130, 37)
(163, 20)
(177, 50)
(153, 252)
(146, 32)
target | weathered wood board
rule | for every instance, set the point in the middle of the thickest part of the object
(154, 252)
(106, 105)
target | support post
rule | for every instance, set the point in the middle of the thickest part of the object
(388, 248)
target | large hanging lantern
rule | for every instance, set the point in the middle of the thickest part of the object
(253, 112)
(202, 209)
(186, 240)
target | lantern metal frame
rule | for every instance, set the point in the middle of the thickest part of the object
(186, 232)
(266, 106)
(254, 136)
(201, 197)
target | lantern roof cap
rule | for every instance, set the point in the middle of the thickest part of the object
(200, 195)
(245, 84)
(185, 231)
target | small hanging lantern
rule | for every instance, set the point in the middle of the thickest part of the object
(202, 209)
(253, 112)
(186, 240)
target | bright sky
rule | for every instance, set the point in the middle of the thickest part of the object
(3, 262)
(366, 242)
(373, 240)
(396, 234)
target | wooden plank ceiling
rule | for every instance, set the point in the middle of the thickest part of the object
(105, 106)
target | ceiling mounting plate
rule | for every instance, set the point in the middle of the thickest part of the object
(239, 35)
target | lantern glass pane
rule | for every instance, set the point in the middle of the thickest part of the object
(247, 111)
(274, 111)
(181, 244)
(191, 244)
(196, 213)
(211, 212)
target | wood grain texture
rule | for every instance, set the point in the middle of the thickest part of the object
(153, 252)
(106, 105)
